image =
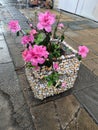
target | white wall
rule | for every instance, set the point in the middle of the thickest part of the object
(68, 5)
(86, 8)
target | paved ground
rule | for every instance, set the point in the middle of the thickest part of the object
(14, 112)
(62, 112)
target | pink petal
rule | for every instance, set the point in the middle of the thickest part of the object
(63, 84)
(39, 26)
(48, 28)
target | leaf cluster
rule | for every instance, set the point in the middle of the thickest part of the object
(52, 78)
(55, 51)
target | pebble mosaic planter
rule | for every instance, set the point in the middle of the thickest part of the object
(69, 66)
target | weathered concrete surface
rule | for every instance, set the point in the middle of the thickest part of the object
(45, 117)
(4, 52)
(7, 122)
(82, 122)
(72, 116)
(14, 112)
(10, 86)
(66, 109)
(89, 99)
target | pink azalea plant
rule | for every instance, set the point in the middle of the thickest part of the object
(35, 55)
(46, 20)
(55, 66)
(60, 25)
(39, 49)
(14, 26)
(26, 39)
(83, 51)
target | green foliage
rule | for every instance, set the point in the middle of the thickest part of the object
(48, 63)
(55, 51)
(39, 38)
(52, 78)
(46, 39)
(29, 65)
(79, 57)
(62, 38)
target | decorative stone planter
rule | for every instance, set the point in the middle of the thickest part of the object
(58, 63)
(69, 66)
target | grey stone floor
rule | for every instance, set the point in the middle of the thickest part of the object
(14, 112)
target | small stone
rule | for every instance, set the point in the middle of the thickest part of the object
(63, 57)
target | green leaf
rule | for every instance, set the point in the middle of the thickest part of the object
(29, 65)
(49, 83)
(79, 57)
(55, 50)
(62, 38)
(52, 78)
(39, 38)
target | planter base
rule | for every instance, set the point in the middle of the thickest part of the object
(68, 73)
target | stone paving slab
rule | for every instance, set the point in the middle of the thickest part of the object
(9, 84)
(66, 109)
(14, 112)
(92, 65)
(15, 50)
(45, 117)
(1, 37)
(4, 54)
(89, 99)
(83, 122)
(6, 120)
(85, 78)
(72, 116)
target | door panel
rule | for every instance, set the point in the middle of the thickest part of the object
(68, 5)
(88, 8)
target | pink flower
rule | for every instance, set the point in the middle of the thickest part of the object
(45, 21)
(30, 25)
(27, 39)
(63, 84)
(36, 55)
(55, 66)
(39, 55)
(60, 25)
(14, 26)
(26, 55)
(83, 51)
(33, 32)
(41, 51)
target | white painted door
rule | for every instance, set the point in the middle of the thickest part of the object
(68, 5)
(88, 8)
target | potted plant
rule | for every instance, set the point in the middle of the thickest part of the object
(51, 64)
